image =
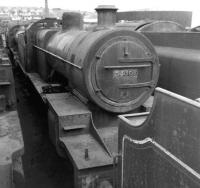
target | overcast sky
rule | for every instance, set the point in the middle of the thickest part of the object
(125, 5)
(89, 5)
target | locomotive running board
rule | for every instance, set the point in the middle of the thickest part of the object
(74, 135)
(40, 84)
(164, 149)
(37, 83)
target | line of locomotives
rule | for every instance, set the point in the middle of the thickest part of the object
(11, 141)
(95, 82)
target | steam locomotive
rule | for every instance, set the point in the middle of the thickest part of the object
(86, 79)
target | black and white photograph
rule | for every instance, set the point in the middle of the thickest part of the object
(99, 94)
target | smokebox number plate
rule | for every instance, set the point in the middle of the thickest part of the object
(126, 74)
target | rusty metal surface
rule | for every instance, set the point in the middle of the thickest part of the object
(30, 37)
(65, 104)
(87, 59)
(180, 61)
(77, 146)
(95, 178)
(69, 122)
(154, 167)
(163, 149)
(131, 74)
(182, 17)
(42, 37)
(74, 134)
(38, 83)
(110, 137)
(74, 131)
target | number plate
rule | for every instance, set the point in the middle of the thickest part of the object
(125, 74)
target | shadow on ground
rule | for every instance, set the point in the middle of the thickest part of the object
(43, 168)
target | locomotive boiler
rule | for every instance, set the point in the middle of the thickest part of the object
(115, 68)
(87, 78)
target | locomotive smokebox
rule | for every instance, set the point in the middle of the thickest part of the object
(106, 15)
(72, 20)
(116, 68)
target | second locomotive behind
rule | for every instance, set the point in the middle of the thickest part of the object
(113, 67)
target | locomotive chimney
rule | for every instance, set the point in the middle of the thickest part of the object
(72, 20)
(106, 15)
(46, 9)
